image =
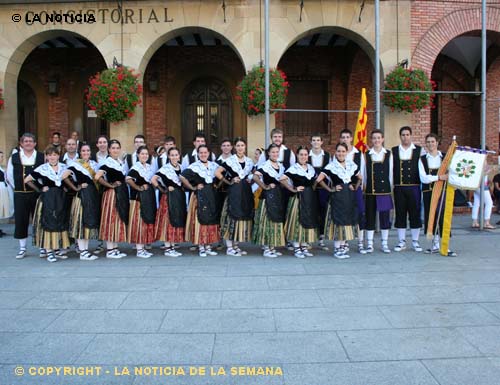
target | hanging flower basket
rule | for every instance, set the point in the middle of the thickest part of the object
(2, 102)
(114, 94)
(412, 80)
(251, 90)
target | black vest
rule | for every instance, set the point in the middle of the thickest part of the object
(405, 172)
(357, 159)
(326, 160)
(429, 171)
(129, 160)
(377, 175)
(21, 171)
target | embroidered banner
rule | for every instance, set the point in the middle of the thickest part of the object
(466, 168)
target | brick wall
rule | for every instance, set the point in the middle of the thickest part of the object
(347, 69)
(433, 25)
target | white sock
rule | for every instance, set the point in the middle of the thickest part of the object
(167, 245)
(361, 236)
(385, 235)
(369, 236)
(22, 243)
(229, 244)
(81, 244)
(139, 246)
(336, 244)
(415, 234)
(401, 234)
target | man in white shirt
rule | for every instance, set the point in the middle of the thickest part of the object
(286, 156)
(20, 165)
(162, 160)
(407, 192)
(319, 158)
(71, 153)
(428, 167)
(192, 157)
(131, 159)
(378, 187)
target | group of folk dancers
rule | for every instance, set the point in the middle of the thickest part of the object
(282, 199)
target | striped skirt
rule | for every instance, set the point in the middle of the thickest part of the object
(196, 232)
(138, 230)
(112, 228)
(339, 233)
(238, 230)
(50, 240)
(294, 231)
(76, 228)
(265, 231)
(164, 231)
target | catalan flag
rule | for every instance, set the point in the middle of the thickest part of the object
(360, 135)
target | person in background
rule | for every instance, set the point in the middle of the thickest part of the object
(56, 141)
(71, 153)
(102, 149)
(285, 156)
(487, 204)
(131, 159)
(20, 165)
(188, 159)
(256, 154)
(75, 135)
(319, 158)
(6, 205)
(496, 192)
(162, 158)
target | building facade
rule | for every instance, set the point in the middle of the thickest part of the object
(191, 55)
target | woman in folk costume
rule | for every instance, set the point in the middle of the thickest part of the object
(341, 223)
(85, 208)
(142, 217)
(202, 227)
(6, 202)
(302, 219)
(50, 232)
(237, 212)
(270, 215)
(171, 215)
(115, 201)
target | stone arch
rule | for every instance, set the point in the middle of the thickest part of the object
(452, 25)
(14, 62)
(160, 40)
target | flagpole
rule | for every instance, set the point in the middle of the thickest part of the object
(377, 64)
(266, 61)
(483, 102)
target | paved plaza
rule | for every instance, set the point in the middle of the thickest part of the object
(401, 318)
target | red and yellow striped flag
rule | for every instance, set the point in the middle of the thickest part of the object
(360, 135)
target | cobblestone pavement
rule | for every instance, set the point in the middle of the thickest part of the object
(401, 318)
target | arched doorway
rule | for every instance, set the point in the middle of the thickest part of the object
(57, 72)
(326, 69)
(458, 67)
(26, 109)
(189, 84)
(206, 109)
